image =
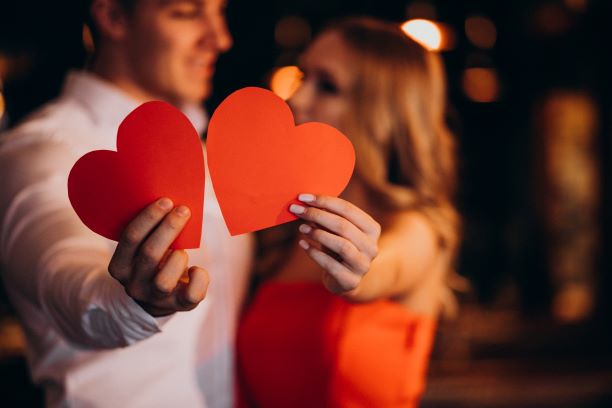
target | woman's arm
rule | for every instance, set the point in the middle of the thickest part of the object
(360, 264)
(408, 255)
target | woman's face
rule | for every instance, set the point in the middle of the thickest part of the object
(324, 94)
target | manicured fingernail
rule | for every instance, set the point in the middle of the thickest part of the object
(165, 204)
(305, 228)
(304, 244)
(307, 198)
(182, 211)
(297, 209)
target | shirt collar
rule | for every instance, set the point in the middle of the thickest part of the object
(108, 105)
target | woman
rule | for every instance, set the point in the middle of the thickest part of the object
(300, 345)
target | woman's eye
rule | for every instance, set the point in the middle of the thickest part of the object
(186, 12)
(327, 86)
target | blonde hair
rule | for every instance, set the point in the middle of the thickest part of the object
(405, 152)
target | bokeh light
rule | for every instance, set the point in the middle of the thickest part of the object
(551, 19)
(285, 81)
(425, 32)
(2, 105)
(421, 9)
(577, 5)
(481, 84)
(4, 68)
(481, 31)
(292, 32)
(88, 42)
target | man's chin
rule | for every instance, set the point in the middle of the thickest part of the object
(198, 95)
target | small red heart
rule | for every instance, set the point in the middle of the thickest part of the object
(159, 154)
(259, 161)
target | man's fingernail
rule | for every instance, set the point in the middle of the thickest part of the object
(304, 244)
(297, 209)
(305, 228)
(182, 211)
(165, 204)
(307, 198)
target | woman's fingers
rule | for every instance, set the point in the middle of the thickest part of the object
(347, 232)
(342, 276)
(345, 209)
(339, 226)
(350, 255)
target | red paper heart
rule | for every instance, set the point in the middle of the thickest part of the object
(259, 161)
(159, 154)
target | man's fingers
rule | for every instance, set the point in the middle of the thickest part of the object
(192, 293)
(153, 249)
(135, 233)
(189, 291)
(167, 278)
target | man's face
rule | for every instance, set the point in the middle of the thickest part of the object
(172, 46)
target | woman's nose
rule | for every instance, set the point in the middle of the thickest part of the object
(299, 103)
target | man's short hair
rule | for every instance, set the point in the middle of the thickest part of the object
(126, 5)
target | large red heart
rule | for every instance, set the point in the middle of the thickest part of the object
(159, 154)
(259, 161)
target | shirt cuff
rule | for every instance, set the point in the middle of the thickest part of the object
(118, 318)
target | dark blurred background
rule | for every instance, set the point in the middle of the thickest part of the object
(530, 93)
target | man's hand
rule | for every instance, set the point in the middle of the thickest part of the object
(155, 276)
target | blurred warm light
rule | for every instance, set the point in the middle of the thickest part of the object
(573, 303)
(568, 127)
(2, 105)
(421, 9)
(4, 67)
(425, 32)
(551, 19)
(481, 31)
(285, 81)
(14, 66)
(481, 84)
(88, 42)
(576, 5)
(292, 32)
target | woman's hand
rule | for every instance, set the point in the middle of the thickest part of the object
(340, 237)
(152, 274)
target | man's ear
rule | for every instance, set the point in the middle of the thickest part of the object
(110, 18)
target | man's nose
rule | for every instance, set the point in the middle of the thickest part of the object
(223, 38)
(216, 33)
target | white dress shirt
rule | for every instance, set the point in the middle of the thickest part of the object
(89, 344)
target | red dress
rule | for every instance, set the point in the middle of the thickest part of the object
(301, 346)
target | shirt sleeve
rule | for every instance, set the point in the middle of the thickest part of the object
(53, 262)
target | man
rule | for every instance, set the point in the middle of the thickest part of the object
(100, 317)
(79, 319)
